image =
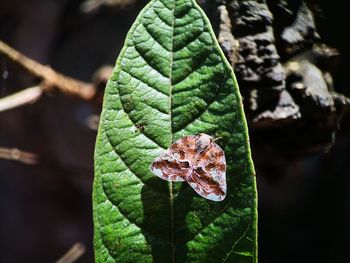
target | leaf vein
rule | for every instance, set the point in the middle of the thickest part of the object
(154, 38)
(198, 116)
(144, 82)
(128, 167)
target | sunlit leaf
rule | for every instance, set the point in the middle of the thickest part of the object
(171, 79)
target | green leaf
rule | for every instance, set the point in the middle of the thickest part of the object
(171, 80)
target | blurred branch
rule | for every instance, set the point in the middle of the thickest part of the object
(75, 252)
(91, 6)
(27, 96)
(18, 155)
(50, 78)
(92, 122)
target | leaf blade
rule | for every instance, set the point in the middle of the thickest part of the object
(171, 79)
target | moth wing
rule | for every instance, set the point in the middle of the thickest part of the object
(174, 164)
(209, 189)
(169, 168)
(208, 178)
(184, 149)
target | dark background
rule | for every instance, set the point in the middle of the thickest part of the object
(304, 196)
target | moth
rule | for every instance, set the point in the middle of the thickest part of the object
(199, 161)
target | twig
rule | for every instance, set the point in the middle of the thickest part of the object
(50, 78)
(75, 252)
(29, 95)
(18, 155)
(92, 122)
(91, 6)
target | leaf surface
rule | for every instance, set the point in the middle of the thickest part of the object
(171, 79)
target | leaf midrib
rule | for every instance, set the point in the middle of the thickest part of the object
(171, 186)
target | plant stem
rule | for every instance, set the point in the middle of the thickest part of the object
(50, 78)
(27, 96)
(75, 252)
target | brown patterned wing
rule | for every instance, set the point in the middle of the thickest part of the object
(170, 169)
(175, 163)
(208, 177)
(185, 149)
